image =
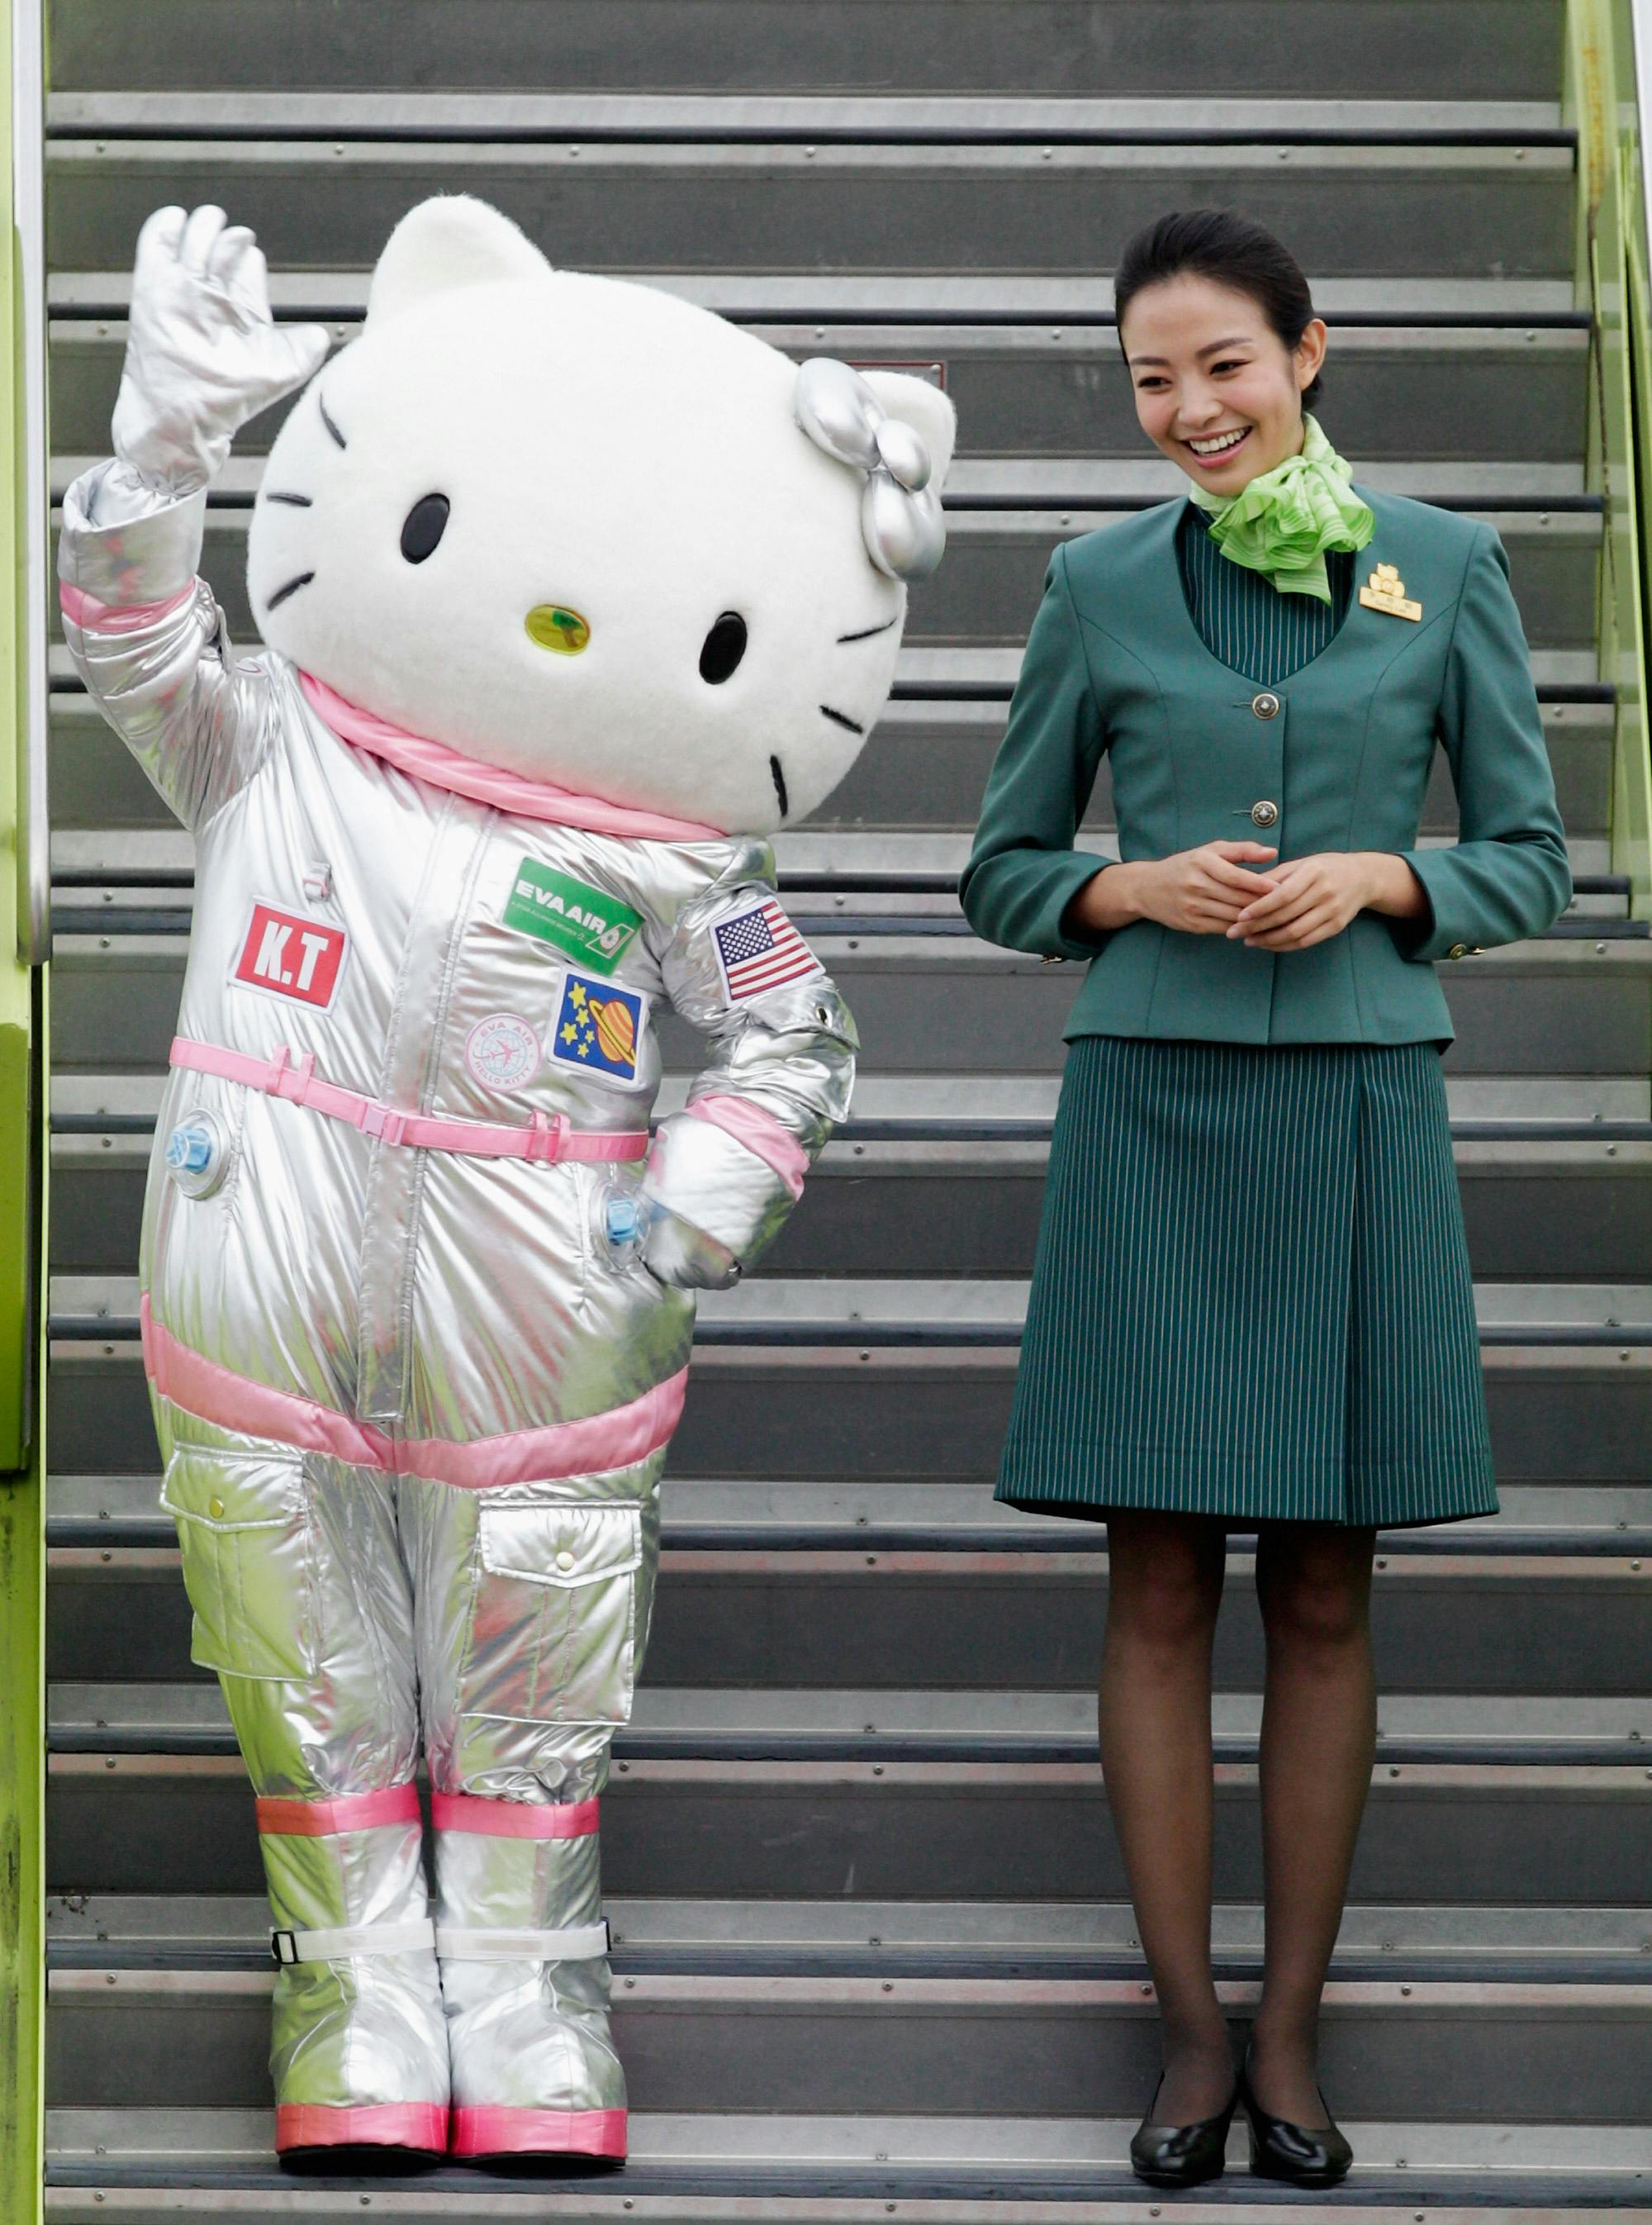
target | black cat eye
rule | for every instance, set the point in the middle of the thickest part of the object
(423, 527)
(723, 647)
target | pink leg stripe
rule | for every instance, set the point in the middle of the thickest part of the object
(387, 2124)
(759, 1131)
(86, 612)
(619, 1438)
(513, 1819)
(538, 2131)
(353, 1811)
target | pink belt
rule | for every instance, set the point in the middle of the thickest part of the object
(296, 1079)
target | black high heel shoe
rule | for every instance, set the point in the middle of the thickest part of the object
(1181, 2155)
(1302, 2155)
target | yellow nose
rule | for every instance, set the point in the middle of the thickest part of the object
(553, 625)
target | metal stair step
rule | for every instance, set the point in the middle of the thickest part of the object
(959, 2170)
(1482, 49)
(922, 771)
(930, 1003)
(1559, 1414)
(918, 1203)
(848, 1938)
(337, 296)
(1497, 409)
(995, 561)
(927, 2044)
(757, 1514)
(1467, 211)
(974, 1826)
(900, 118)
(746, 1613)
(685, 1724)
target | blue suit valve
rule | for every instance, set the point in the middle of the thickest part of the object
(197, 1155)
(623, 1215)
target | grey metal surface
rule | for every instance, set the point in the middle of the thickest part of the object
(1366, 211)
(1528, 1836)
(1407, 399)
(945, 2046)
(1544, 1008)
(1483, 49)
(989, 1620)
(1578, 1414)
(923, 770)
(984, 593)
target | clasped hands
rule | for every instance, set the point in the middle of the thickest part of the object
(1231, 889)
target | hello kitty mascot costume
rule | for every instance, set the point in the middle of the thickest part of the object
(573, 593)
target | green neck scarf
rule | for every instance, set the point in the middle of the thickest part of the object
(1282, 522)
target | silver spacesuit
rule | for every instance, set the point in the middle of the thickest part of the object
(413, 1406)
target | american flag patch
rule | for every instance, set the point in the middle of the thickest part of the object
(759, 950)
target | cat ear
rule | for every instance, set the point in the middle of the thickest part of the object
(449, 241)
(926, 409)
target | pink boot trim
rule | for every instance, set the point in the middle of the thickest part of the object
(539, 2132)
(385, 2123)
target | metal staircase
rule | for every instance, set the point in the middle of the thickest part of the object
(873, 1957)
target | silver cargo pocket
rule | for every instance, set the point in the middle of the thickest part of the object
(249, 1556)
(560, 1608)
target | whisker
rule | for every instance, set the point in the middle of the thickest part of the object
(327, 421)
(778, 779)
(291, 589)
(296, 501)
(841, 718)
(866, 632)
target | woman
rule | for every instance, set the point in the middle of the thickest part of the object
(1251, 1304)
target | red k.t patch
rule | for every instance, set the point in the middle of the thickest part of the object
(291, 956)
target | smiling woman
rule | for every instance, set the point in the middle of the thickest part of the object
(1251, 1303)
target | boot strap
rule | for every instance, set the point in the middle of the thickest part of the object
(287, 1947)
(578, 1942)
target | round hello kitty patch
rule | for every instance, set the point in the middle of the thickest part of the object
(503, 1051)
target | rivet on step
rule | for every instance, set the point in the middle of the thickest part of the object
(1406, 1990)
(630, 1982)
(109, 1977)
(1146, 1989)
(623, 1766)
(1381, 1564)
(1634, 1564)
(109, 1761)
(1600, 950)
(877, 1769)
(887, 1987)
(872, 1560)
(1394, 1772)
(1612, 1150)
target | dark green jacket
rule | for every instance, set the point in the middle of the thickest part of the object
(1341, 751)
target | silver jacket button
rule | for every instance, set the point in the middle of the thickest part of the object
(565, 1560)
(1264, 814)
(1266, 705)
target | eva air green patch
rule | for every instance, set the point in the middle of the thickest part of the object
(590, 926)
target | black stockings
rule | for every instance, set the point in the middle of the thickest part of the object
(1319, 1732)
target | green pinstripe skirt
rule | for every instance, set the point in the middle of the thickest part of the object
(1251, 1297)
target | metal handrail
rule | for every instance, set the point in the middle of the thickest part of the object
(28, 217)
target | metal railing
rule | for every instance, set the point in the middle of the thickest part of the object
(1608, 96)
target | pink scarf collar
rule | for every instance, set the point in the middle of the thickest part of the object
(505, 791)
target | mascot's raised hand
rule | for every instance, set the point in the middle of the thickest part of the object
(203, 353)
(571, 594)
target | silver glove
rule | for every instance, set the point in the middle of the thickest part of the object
(685, 1257)
(203, 353)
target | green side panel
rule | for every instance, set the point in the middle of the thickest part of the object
(22, 1037)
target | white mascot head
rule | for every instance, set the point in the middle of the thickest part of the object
(591, 534)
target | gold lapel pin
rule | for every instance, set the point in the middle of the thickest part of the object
(1385, 591)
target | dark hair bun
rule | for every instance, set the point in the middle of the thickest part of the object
(1231, 250)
